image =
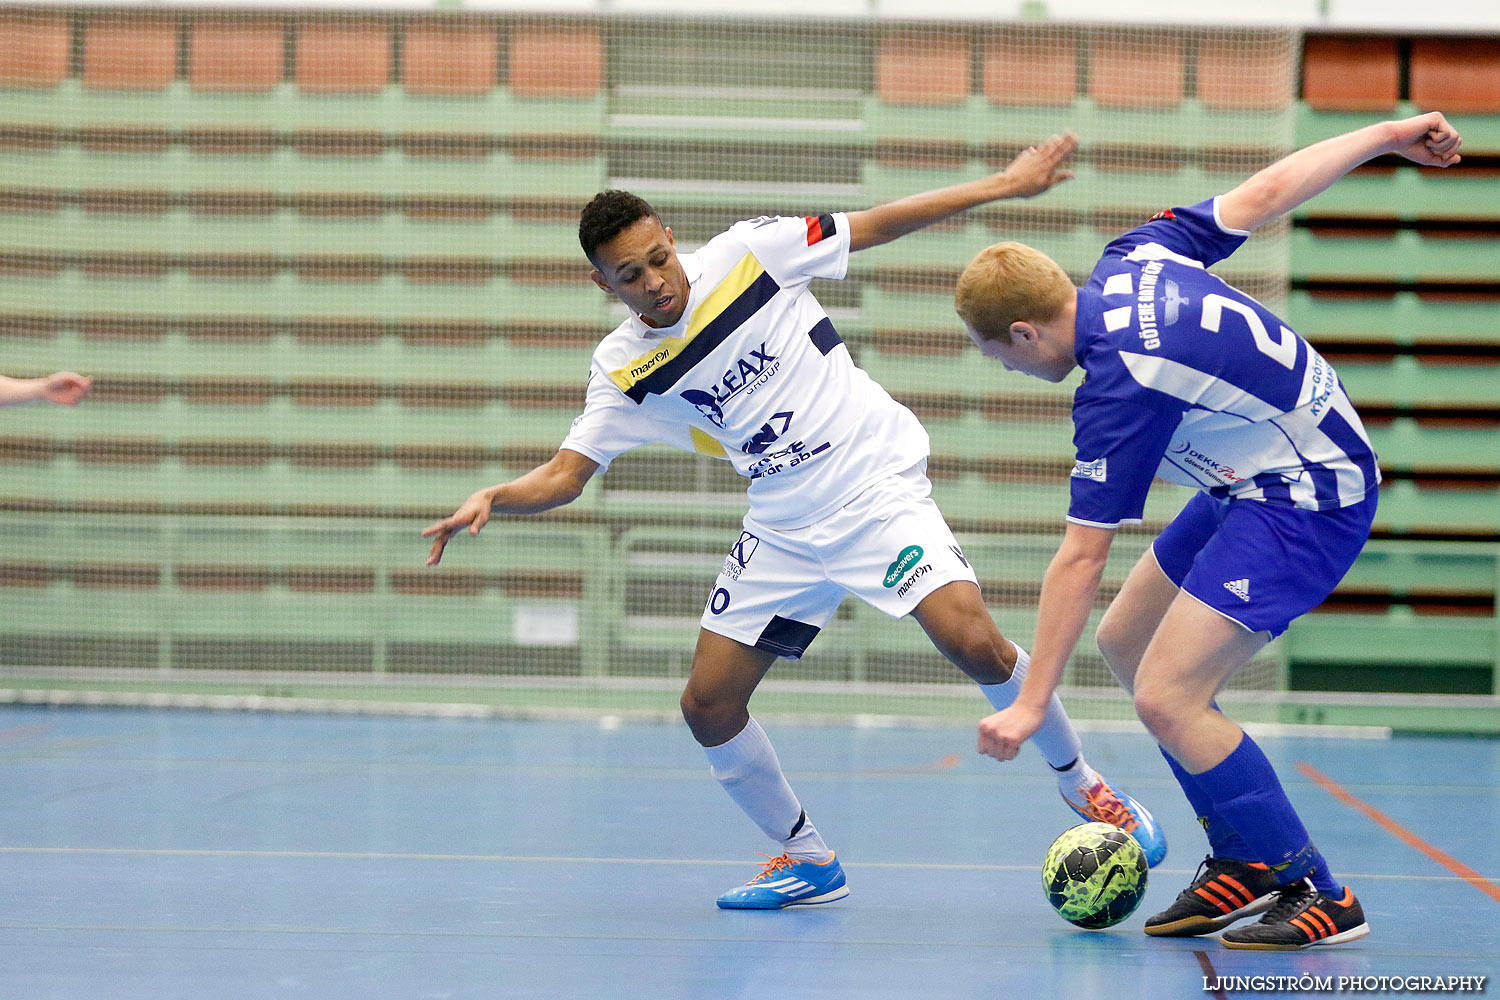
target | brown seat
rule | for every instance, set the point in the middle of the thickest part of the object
(136, 389)
(251, 452)
(227, 390)
(119, 450)
(237, 55)
(35, 48)
(115, 576)
(444, 61)
(330, 579)
(113, 326)
(221, 576)
(24, 573)
(1137, 68)
(452, 457)
(30, 201)
(556, 61)
(333, 454)
(437, 582)
(449, 270)
(1456, 76)
(129, 53)
(32, 448)
(1247, 71)
(1031, 66)
(1350, 74)
(923, 67)
(343, 57)
(32, 326)
(340, 268)
(351, 330)
(551, 584)
(445, 395)
(334, 392)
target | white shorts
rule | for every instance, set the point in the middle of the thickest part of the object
(889, 546)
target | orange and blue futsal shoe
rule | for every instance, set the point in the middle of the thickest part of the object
(787, 881)
(1104, 803)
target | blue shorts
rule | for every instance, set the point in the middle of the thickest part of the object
(1261, 564)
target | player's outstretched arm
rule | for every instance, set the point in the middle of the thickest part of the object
(63, 388)
(558, 482)
(1032, 172)
(1068, 591)
(1426, 139)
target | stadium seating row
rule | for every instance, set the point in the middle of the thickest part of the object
(462, 57)
(465, 57)
(1402, 256)
(333, 55)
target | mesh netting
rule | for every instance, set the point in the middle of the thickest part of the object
(324, 270)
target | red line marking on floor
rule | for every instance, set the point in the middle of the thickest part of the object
(1210, 974)
(947, 763)
(1400, 832)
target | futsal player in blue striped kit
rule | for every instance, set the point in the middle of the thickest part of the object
(1192, 380)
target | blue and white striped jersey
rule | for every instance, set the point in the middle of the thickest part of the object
(1193, 380)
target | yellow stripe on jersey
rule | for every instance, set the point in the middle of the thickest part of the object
(735, 283)
(703, 444)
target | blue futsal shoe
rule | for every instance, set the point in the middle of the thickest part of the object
(1107, 804)
(787, 881)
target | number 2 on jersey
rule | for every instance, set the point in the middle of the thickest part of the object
(1282, 350)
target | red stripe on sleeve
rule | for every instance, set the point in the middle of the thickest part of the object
(814, 229)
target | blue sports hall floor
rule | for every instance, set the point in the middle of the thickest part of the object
(171, 854)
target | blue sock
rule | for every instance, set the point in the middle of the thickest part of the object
(1245, 791)
(1223, 841)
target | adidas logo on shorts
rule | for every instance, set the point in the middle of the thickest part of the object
(1239, 588)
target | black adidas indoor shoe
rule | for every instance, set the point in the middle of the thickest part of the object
(1224, 891)
(1300, 918)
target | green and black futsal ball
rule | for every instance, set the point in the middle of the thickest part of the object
(1094, 875)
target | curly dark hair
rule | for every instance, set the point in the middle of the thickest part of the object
(608, 215)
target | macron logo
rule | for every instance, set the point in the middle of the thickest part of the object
(1239, 588)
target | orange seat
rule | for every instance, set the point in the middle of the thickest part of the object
(236, 55)
(1142, 69)
(923, 67)
(129, 53)
(556, 61)
(343, 57)
(1456, 76)
(1034, 66)
(1246, 71)
(444, 61)
(1350, 74)
(35, 48)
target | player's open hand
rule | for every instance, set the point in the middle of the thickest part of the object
(1427, 139)
(473, 514)
(65, 388)
(1001, 734)
(1040, 168)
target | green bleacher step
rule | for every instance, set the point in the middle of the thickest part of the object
(392, 111)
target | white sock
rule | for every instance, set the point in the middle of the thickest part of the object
(1057, 739)
(750, 772)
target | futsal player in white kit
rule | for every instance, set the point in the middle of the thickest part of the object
(1192, 380)
(728, 354)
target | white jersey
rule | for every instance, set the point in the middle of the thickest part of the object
(755, 373)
